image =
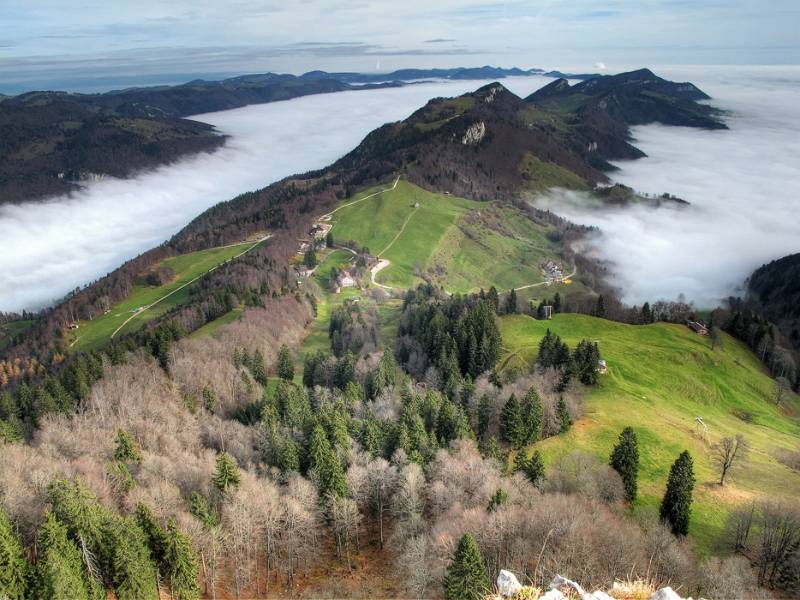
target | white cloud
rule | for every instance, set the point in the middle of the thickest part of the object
(744, 186)
(52, 247)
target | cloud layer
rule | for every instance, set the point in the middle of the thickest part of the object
(744, 186)
(52, 247)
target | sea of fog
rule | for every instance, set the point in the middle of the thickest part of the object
(743, 185)
(52, 247)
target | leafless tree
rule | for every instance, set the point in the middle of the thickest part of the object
(345, 521)
(728, 453)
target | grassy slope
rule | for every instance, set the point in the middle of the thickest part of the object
(465, 244)
(92, 334)
(210, 327)
(660, 378)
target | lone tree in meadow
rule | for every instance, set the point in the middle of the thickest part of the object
(728, 453)
(285, 364)
(511, 302)
(677, 503)
(466, 578)
(625, 461)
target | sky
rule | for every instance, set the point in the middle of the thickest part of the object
(100, 44)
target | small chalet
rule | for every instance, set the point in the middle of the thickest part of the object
(697, 327)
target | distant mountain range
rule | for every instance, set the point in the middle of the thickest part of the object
(50, 142)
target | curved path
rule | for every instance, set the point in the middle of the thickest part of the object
(152, 304)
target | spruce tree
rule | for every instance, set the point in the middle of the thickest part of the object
(520, 462)
(258, 368)
(677, 503)
(180, 564)
(511, 302)
(625, 461)
(285, 364)
(325, 463)
(59, 573)
(485, 406)
(532, 414)
(511, 426)
(500, 497)
(127, 449)
(534, 469)
(126, 560)
(226, 475)
(466, 577)
(13, 566)
(563, 416)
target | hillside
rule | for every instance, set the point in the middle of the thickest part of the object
(775, 290)
(660, 377)
(492, 144)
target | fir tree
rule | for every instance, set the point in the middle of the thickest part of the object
(677, 503)
(180, 564)
(511, 302)
(210, 402)
(226, 475)
(491, 449)
(466, 577)
(285, 364)
(156, 536)
(127, 449)
(59, 571)
(310, 257)
(625, 461)
(485, 406)
(534, 469)
(500, 497)
(329, 239)
(258, 368)
(520, 462)
(325, 463)
(511, 426)
(600, 307)
(563, 416)
(13, 566)
(532, 415)
(126, 560)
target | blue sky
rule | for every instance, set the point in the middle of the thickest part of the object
(44, 43)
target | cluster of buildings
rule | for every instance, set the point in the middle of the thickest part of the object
(553, 272)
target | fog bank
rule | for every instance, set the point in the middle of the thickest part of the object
(744, 186)
(52, 247)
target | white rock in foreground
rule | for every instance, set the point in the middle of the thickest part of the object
(666, 593)
(507, 584)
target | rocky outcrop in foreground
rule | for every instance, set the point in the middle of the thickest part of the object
(561, 588)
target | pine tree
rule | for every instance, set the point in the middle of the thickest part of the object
(210, 402)
(520, 462)
(155, 534)
(466, 577)
(180, 564)
(127, 449)
(285, 364)
(534, 469)
(13, 566)
(491, 449)
(563, 416)
(676, 506)
(532, 415)
(59, 573)
(511, 427)
(625, 461)
(226, 475)
(600, 307)
(329, 239)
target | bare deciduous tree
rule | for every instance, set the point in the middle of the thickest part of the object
(728, 453)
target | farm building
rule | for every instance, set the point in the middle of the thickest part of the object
(697, 327)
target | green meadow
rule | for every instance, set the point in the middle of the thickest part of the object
(460, 244)
(94, 333)
(660, 377)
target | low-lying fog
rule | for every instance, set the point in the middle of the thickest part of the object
(744, 186)
(53, 247)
